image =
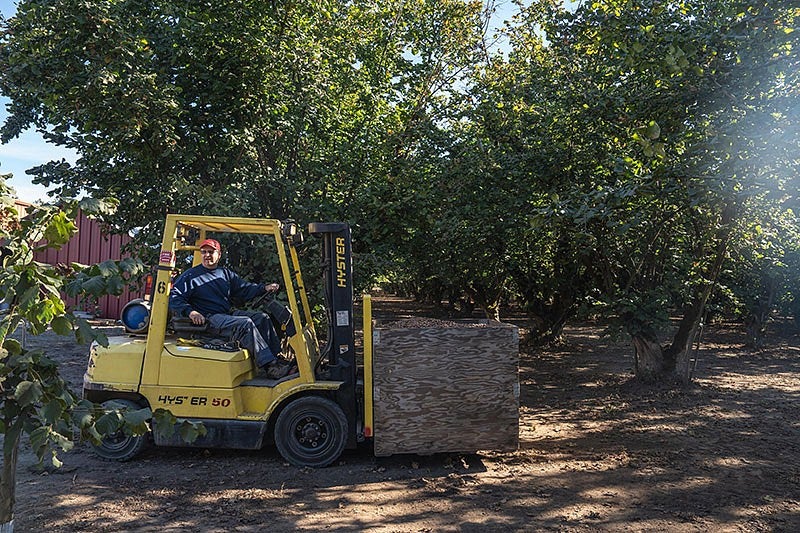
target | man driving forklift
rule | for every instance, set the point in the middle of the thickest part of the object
(204, 293)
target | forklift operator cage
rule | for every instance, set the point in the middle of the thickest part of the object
(184, 232)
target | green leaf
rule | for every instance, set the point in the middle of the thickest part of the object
(28, 393)
(29, 296)
(107, 268)
(137, 420)
(62, 441)
(99, 206)
(115, 285)
(84, 333)
(53, 411)
(11, 437)
(653, 130)
(13, 346)
(91, 433)
(59, 230)
(55, 461)
(94, 286)
(61, 325)
(164, 423)
(39, 438)
(189, 431)
(132, 266)
(109, 423)
(83, 414)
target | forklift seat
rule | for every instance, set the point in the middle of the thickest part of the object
(184, 326)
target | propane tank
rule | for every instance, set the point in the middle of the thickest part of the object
(135, 316)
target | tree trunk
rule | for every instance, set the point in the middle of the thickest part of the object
(545, 329)
(492, 311)
(547, 319)
(8, 484)
(756, 323)
(649, 358)
(678, 355)
(460, 306)
(489, 305)
(754, 329)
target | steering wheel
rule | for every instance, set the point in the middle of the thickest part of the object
(258, 301)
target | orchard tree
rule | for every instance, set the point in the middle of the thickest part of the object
(36, 401)
(522, 139)
(762, 275)
(695, 104)
(308, 110)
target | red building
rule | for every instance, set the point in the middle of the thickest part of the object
(90, 246)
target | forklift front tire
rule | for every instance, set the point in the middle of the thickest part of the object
(119, 446)
(311, 431)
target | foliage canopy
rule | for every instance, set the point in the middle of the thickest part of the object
(617, 158)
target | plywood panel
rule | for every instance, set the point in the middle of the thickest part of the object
(448, 389)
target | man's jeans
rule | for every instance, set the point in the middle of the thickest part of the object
(253, 330)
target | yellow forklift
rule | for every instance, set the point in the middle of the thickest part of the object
(311, 415)
(418, 389)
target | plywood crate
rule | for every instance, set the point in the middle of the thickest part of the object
(451, 388)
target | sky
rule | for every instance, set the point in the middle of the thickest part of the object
(30, 150)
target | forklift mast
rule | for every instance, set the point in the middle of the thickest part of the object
(337, 277)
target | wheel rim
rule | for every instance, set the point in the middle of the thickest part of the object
(311, 431)
(311, 434)
(116, 441)
(120, 445)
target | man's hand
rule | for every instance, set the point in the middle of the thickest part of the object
(197, 318)
(271, 287)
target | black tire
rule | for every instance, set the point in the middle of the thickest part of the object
(311, 431)
(120, 446)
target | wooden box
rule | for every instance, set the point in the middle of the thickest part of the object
(450, 387)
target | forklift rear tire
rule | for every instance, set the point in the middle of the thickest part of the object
(119, 446)
(311, 431)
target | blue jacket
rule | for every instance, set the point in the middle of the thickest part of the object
(210, 292)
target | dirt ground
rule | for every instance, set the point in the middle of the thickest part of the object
(597, 452)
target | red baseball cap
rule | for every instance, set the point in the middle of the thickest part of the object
(212, 243)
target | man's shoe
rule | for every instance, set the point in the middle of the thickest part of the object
(276, 369)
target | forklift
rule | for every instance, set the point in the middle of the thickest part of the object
(311, 415)
(417, 389)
